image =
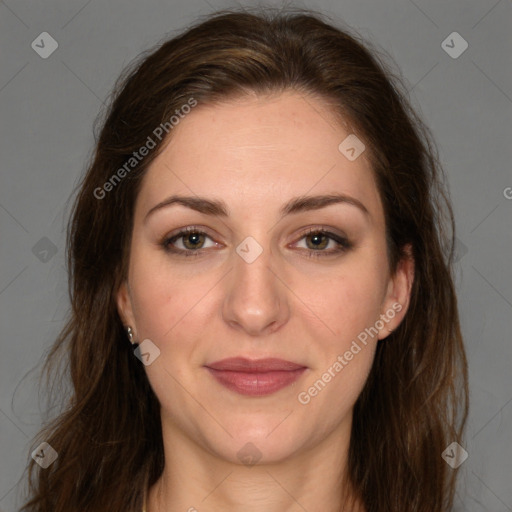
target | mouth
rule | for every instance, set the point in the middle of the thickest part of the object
(257, 377)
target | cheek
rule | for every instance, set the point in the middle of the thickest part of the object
(349, 300)
(153, 294)
(330, 393)
(349, 307)
(166, 298)
(340, 301)
(346, 300)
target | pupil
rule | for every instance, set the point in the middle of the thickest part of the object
(193, 239)
(316, 240)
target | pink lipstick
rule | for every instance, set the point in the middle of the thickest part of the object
(255, 377)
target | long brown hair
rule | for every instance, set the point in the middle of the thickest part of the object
(108, 435)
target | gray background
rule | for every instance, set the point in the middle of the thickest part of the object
(48, 106)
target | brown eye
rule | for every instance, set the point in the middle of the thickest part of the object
(187, 242)
(317, 240)
(193, 240)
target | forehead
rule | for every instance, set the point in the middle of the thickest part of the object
(255, 150)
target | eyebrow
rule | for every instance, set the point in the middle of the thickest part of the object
(299, 204)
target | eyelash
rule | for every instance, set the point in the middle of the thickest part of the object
(343, 243)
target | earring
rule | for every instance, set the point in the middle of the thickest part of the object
(129, 332)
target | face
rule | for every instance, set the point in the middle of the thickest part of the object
(260, 275)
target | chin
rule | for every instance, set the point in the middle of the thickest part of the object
(263, 441)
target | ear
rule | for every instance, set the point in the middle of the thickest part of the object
(124, 305)
(398, 295)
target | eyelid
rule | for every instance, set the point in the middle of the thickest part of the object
(182, 232)
(188, 229)
(322, 229)
(342, 241)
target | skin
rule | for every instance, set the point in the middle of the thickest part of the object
(256, 153)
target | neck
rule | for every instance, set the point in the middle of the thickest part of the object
(196, 480)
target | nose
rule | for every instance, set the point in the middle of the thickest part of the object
(256, 300)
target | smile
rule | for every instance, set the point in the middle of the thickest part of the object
(257, 377)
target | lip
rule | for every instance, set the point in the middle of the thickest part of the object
(255, 377)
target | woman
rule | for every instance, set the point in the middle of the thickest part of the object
(264, 219)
